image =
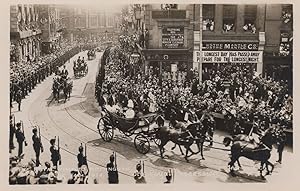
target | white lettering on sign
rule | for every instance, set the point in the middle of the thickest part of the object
(229, 56)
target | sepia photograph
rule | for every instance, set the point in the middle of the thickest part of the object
(150, 93)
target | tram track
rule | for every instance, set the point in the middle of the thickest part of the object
(156, 155)
(65, 149)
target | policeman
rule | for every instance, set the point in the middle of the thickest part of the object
(55, 155)
(139, 176)
(20, 139)
(81, 158)
(12, 131)
(37, 145)
(113, 176)
(280, 143)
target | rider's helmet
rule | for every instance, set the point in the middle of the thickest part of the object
(34, 130)
(80, 149)
(52, 141)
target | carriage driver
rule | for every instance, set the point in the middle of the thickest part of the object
(255, 132)
(64, 73)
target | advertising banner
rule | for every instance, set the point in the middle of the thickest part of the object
(229, 56)
(173, 37)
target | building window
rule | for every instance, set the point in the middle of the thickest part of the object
(102, 20)
(287, 13)
(169, 6)
(229, 17)
(208, 17)
(285, 44)
(250, 18)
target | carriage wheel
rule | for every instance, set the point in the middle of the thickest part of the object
(105, 130)
(142, 144)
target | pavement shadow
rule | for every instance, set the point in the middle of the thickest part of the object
(177, 161)
(121, 146)
(239, 177)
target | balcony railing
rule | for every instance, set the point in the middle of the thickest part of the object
(169, 14)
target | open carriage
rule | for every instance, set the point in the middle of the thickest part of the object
(91, 54)
(138, 126)
(80, 69)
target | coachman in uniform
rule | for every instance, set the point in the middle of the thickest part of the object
(37, 145)
(55, 155)
(113, 176)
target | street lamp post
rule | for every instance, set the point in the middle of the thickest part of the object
(200, 44)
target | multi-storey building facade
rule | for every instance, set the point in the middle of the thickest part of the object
(51, 27)
(168, 34)
(25, 32)
(278, 54)
(185, 36)
(89, 23)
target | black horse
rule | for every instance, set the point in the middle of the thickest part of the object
(260, 153)
(247, 139)
(203, 132)
(185, 136)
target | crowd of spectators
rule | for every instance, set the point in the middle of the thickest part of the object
(237, 93)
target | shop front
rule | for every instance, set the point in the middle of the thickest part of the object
(170, 58)
(164, 63)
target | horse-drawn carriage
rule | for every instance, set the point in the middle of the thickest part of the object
(80, 69)
(138, 126)
(91, 54)
(62, 85)
(160, 134)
